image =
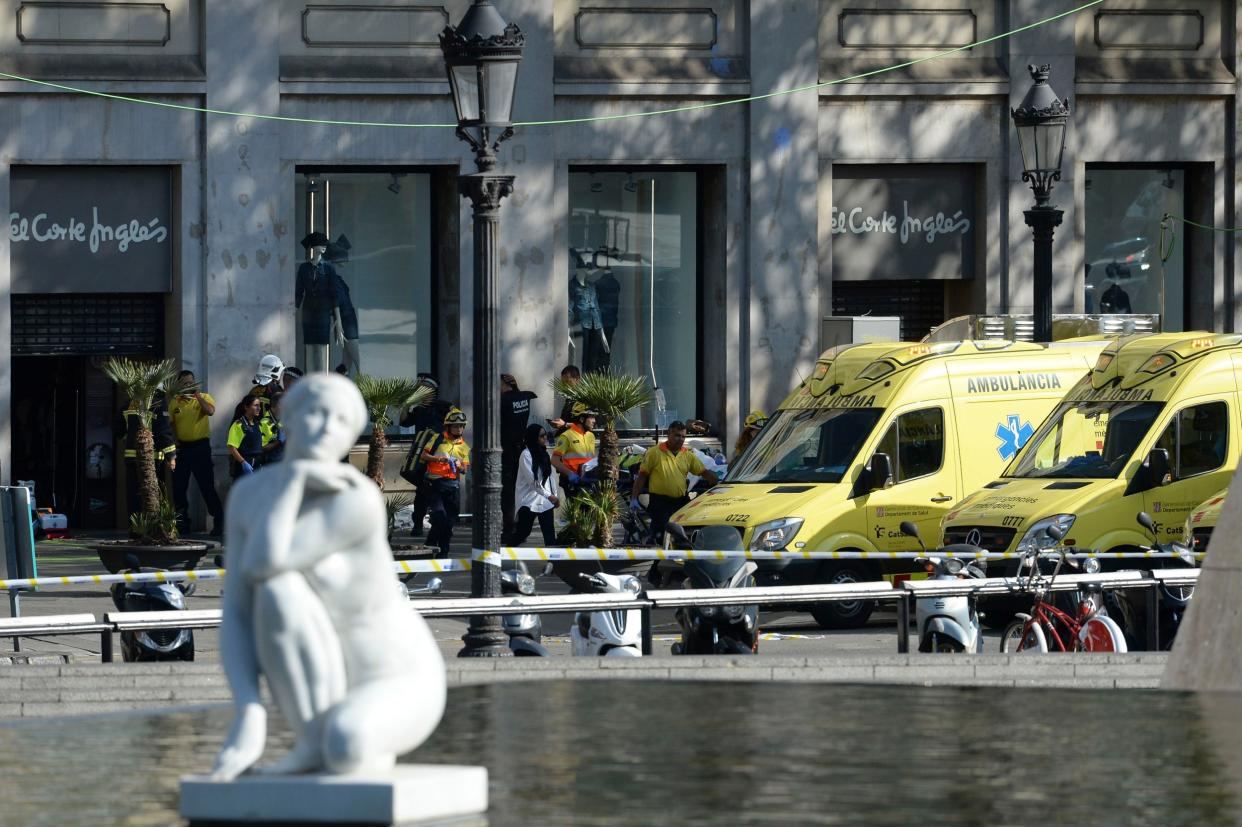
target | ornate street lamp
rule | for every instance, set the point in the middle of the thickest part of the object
(481, 56)
(1040, 120)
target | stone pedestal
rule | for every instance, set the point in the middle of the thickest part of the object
(410, 794)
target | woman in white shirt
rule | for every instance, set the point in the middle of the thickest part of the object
(536, 494)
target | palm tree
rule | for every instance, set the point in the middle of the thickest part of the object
(382, 397)
(614, 395)
(139, 382)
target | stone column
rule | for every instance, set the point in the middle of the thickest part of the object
(781, 318)
(249, 256)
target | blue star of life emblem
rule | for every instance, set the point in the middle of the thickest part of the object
(1013, 434)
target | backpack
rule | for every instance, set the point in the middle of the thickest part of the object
(414, 469)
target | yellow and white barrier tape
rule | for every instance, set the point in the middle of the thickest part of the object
(399, 567)
(595, 554)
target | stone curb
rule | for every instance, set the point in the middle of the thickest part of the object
(77, 689)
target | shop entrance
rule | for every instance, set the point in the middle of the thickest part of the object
(65, 409)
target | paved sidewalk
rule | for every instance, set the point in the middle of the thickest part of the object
(82, 688)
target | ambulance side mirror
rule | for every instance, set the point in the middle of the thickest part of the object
(1157, 468)
(876, 475)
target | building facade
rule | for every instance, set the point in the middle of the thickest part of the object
(700, 248)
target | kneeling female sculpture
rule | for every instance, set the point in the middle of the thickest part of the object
(311, 604)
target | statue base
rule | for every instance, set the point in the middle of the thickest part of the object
(410, 794)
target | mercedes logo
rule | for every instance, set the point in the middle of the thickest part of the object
(974, 537)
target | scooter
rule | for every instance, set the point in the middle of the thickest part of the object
(525, 631)
(615, 633)
(156, 644)
(732, 629)
(948, 624)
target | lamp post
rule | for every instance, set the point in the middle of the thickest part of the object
(481, 56)
(1040, 120)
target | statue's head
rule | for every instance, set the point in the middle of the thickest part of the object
(323, 415)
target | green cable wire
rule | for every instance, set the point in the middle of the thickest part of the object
(1166, 225)
(562, 121)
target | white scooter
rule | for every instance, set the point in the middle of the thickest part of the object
(613, 633)
(947, 624)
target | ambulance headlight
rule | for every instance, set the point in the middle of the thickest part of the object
(1037, 537)
(775, 535)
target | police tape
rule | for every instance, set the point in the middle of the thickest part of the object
(595, 554)
(196, 575)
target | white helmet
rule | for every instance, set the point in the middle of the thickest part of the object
(270, 369)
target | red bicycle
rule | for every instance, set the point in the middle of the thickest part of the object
(1049, 629)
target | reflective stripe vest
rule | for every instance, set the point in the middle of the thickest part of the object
(575, 447)
(441, 467)
(161, 432)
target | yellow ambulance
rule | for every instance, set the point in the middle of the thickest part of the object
(1153, 427)
(879, 434)
(1202, 521)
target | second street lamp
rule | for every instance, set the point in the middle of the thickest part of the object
(1040, 121)
(481, 57)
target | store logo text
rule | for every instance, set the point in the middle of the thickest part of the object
(40, 230)
(905, 225)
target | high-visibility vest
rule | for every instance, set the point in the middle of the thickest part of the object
(161, 433)
(575, 447)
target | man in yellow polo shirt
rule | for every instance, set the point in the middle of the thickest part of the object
(664, 470)
(191, 412)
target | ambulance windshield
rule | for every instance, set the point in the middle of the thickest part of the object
(816, 445)
(1088, 440)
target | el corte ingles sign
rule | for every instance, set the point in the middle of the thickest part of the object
(95, 229)
(903, 221)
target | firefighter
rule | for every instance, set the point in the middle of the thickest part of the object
(165, 447)
(448, 460)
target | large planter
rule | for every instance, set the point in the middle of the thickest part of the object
(114, 554)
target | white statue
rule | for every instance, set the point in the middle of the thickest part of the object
(310, 604)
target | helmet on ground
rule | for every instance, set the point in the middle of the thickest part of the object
(756, 419)
(270, 369)
(581, 409)
(454, 417)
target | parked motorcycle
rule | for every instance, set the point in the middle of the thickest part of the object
(156, 644)
(525, 631)
(716, 630)
(616, 633)
(948, 624)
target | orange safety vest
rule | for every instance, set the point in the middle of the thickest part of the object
(440, 467)
(575, 447)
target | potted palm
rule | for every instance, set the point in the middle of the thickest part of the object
(153, 536)
(592, 512)
(382, 397)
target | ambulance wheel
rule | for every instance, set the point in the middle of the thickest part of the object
(842, 614)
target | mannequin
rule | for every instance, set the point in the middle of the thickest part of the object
(345, 316)
(608, 291)
(584, 312)
(314, 294)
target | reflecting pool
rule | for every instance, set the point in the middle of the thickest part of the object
(682, 753)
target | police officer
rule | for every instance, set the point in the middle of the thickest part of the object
(514, 417)
(165, 446)
(575, 447)
(190, 414)
(448, 460)
(664, 471)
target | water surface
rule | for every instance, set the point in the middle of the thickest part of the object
(682, 753)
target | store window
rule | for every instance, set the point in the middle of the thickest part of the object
(381, 293)
(633, 282)
(1124, 271)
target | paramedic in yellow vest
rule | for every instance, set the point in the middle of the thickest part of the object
(448, 460)
(191, 412)
(575, 447)
(664, 471)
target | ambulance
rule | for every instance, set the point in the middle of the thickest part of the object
(1202, 521)
(882, 433)
(1153, 427)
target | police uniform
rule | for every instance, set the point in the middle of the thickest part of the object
(192, 427)
(247, 438)
(514, 416)
(273, 433)
(450, 460)
(667, 488)
(164, 441)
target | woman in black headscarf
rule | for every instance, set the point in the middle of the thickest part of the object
(536, 495)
